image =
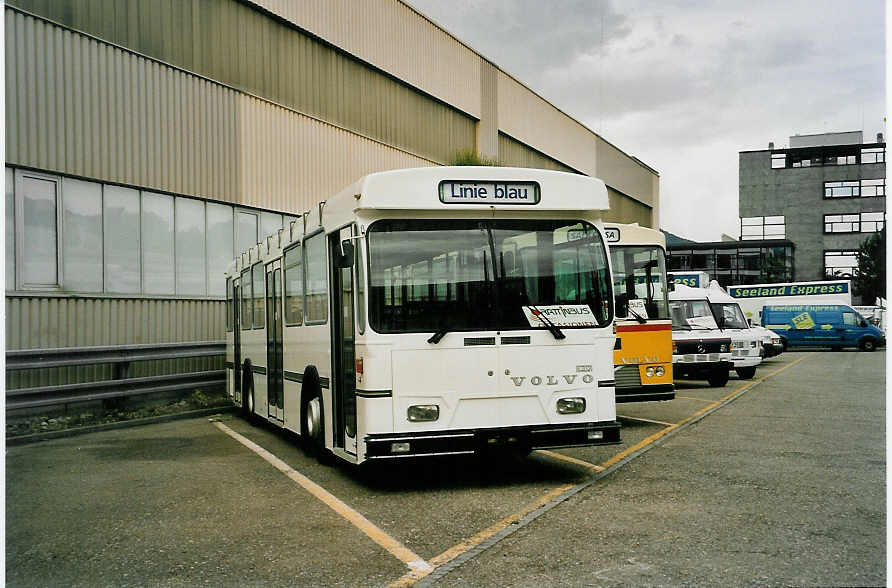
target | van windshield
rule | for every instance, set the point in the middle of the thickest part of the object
(730, 313)
(471, 274)
(692, 314)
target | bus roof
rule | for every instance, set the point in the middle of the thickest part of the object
(423, 189)
(634, 234)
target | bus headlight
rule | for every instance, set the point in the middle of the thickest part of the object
(659, 371)
(753, 344)
(421, 413)
(574, 405)
(649, 371)
(674, 348)
(723, 348)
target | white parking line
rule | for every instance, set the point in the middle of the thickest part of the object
(397, 549)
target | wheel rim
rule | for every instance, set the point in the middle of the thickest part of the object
(314, 418)
(868, 345)
(251, 401)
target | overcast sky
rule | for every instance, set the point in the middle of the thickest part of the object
(685, 85)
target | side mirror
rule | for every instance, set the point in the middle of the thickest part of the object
(347, 254)
(749, 321)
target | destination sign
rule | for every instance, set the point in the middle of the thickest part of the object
(511, 193)
(791, 290)
(561, 315)
(612, 234)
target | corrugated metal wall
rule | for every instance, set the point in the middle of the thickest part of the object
(82, 107)
(516, 154)
(425, 56)
(488, 127)
(625, 174)
(280, 64)
(627, 210)
(530, 119)
(34, 322)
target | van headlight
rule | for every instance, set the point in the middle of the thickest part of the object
(420, 413)
(573, 405)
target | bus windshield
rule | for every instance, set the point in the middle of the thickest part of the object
(639, 273)
(463, 275)
(692, 314)
(729, 315)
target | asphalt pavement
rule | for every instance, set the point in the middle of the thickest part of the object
(783, 484)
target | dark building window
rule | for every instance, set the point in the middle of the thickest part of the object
(750, 263)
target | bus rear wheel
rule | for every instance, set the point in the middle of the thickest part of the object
(314, 429)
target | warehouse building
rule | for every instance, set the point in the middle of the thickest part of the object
(148, 142)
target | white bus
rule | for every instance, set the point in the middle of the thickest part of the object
(431, 311)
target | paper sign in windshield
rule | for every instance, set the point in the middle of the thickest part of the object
(637, 306)
(562, 315)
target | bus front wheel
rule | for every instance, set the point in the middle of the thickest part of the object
(247, 392)
(718, 378)
(746, 373)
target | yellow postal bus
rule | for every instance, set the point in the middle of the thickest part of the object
(642, 356)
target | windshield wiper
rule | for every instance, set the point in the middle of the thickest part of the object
(438, 335)
(637, 316)
(552, 328)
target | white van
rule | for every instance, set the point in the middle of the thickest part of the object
(699, 348)
(746, 344)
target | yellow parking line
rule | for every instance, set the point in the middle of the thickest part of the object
(631, 418)
(397, 549)
(468, 544)
(568, 459)
(415, 575)
(694, 398)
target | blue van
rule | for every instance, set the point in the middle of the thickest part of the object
(824, 325)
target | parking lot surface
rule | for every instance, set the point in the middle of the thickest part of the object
(778, 480)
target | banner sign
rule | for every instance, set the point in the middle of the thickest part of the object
(489, 192)
(789, 290)
(692, 280)
(561, 315)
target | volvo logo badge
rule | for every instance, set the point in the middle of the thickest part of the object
(701, 349)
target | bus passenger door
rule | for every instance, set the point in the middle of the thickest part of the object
(237, 341)
(342, 344)
(274, 373)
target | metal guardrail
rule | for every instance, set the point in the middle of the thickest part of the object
(121, 356)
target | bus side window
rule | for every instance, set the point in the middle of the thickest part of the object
(259, 289)
(228, 304)
(294, 286)
(247, 302)
(316, 283)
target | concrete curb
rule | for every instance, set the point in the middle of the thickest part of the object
(48, 435)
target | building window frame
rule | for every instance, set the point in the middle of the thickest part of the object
(20, 176)
(839, 253)
(761, 228)
(854, 222)
(866, 188)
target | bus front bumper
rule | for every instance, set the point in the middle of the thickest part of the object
(645, 393)
(469, 441)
